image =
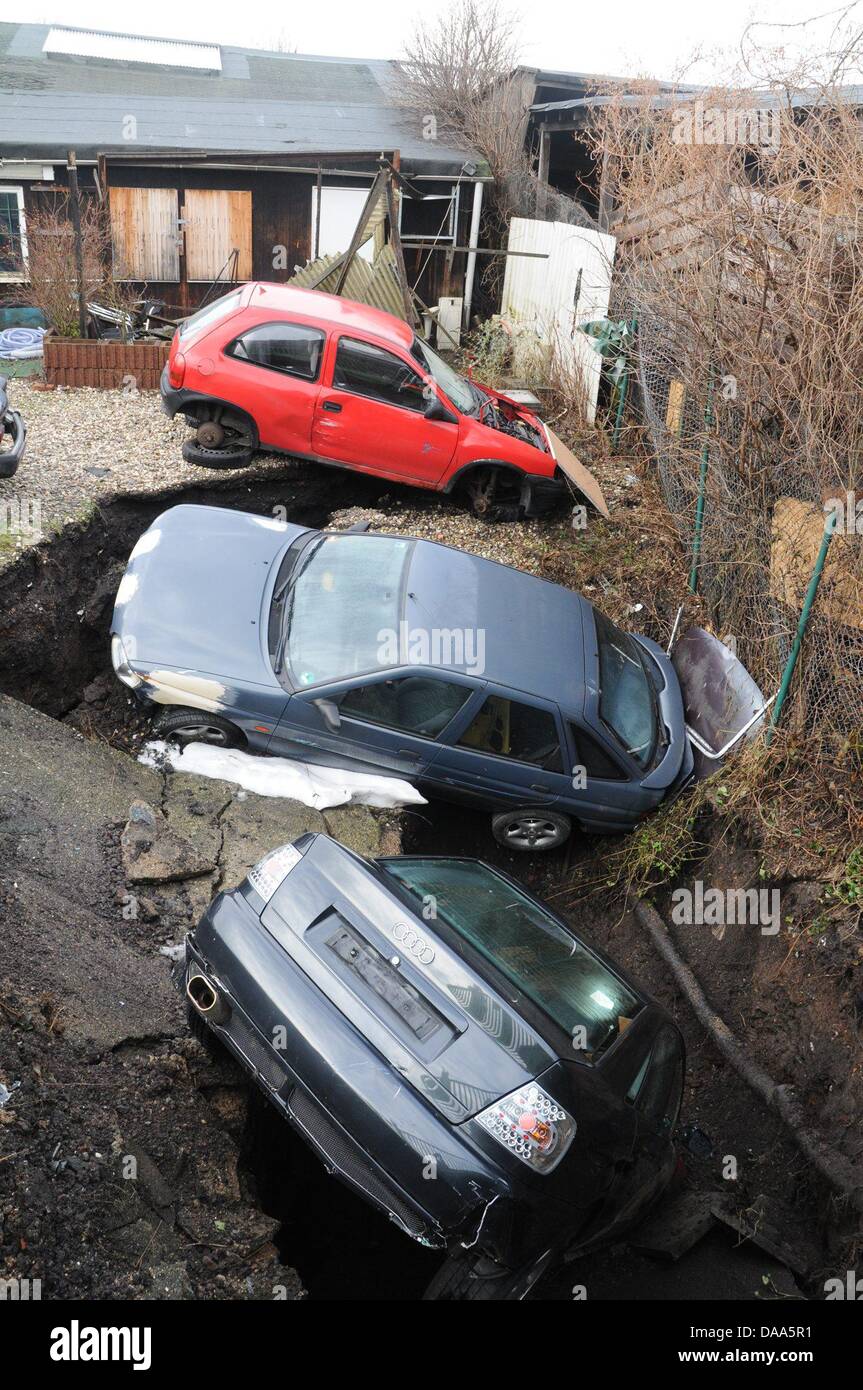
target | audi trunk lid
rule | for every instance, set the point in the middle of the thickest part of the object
(410, 994)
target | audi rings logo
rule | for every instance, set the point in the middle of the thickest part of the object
(413, 942)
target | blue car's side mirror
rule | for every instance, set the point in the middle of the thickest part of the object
(329, 713)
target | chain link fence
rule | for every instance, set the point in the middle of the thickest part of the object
(762, 529)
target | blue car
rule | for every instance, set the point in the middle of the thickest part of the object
(387, 654)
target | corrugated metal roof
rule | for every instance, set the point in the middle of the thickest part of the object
(260, 103)
(806, 97)
(132, 48)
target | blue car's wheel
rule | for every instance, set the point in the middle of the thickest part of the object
(197, 726)
(531, 828)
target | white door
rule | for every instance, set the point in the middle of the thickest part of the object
(547, 299)
(338, 214)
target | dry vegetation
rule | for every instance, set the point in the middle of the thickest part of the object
(461, 83)
(51, 283)
(739, 222)
(459, 73)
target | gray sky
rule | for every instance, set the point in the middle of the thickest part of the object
(630, 38)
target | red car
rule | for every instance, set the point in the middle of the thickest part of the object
(319, 377)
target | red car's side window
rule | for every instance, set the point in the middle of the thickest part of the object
(368, 370)
(294, 348)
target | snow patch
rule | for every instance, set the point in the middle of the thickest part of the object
(313, 785)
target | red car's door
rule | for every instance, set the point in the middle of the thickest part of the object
(370, 414)
(278, 366)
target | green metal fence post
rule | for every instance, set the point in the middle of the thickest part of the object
(702, 489)
(808, 601)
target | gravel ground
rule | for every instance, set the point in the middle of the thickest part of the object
(83, 444)
(86, 444)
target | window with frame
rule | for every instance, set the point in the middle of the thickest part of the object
(372, 371)
(509, 729)
(414, 704)
(13, 239)
(593, 757)
(519, 938)
(658, 1085)
(432, 218)
(211, 313)
(293, 348)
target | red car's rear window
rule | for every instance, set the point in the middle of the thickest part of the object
(211, 313)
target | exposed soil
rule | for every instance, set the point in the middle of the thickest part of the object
(233, 1204)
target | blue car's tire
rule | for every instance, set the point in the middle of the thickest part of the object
(197, 726)
(531, 829)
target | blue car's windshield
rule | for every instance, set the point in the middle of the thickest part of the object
(518, 937)
(343, 605)
(626, 702)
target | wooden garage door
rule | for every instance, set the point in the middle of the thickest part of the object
(144, 233)
(216, 222)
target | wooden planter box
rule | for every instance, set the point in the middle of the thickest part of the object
(110, 365)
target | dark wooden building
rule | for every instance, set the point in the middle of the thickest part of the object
(217, 162)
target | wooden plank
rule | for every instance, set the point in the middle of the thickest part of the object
(796, 534)
(217, 222)
(676, 401)
(580, 476)
(144, 233)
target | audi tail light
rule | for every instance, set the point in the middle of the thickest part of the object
(271, 871)
(531, 1125)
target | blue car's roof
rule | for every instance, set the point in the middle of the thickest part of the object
(532, 630)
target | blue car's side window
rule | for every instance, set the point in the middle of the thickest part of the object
(593, 758)
(510, 729)
(414, 704)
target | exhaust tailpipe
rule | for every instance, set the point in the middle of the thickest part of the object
(207, 1000)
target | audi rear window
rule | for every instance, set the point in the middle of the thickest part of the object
(517, 937)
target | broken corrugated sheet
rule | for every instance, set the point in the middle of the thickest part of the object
(376, 284)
